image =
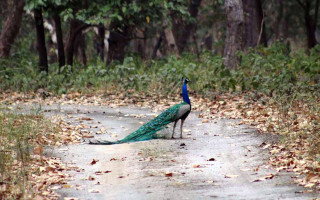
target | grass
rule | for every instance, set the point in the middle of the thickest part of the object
(18, 139)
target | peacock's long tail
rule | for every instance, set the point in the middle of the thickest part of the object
(148, 131)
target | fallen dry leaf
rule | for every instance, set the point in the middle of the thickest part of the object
(230, 176)
(98, 173)
(311, 177)
(86, 118)
(38, 150)
(270, 176)
(66, 186)
(310, 185)
(70, 198)
(87, 136)
(94, 191)
(210, 181)
(168, 174)
(94, 161)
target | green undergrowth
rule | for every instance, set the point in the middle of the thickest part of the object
(271, 71)
(18, 139)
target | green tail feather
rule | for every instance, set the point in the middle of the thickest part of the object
(148, 130)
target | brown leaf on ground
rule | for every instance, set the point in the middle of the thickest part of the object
(205, 121)
(230, 176)
(86, 118)
(38, 150)
(70, 198)
(98, 173)
(94, 191)
(94, 161)
(168, 174)
(270, 176)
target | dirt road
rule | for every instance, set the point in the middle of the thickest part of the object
(215, 160)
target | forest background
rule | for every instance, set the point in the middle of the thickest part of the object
(258, 57)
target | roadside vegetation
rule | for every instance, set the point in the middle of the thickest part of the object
(18, 135)
(24, 172)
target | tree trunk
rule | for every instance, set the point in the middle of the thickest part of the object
(60, 46)
(140, 43)
(82, 48)
(254, 25)
(171, 43)
(157, 46)
(74, 24)
(217, 36)
(278, 21)
(41, 43)
(310, 23)
(261, 23)
(235, 33)
(101, 36)
(118, 40)
(12, 11)
(208, 41)
(184, 30)
(75, 29)
(117, 44)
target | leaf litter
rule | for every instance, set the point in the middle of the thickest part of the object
(267, 116)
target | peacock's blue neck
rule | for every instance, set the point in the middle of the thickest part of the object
(185, 93)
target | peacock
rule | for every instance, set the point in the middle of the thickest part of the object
(148, 130)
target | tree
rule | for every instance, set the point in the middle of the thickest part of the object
(51, 9)
(12, 11)
(75, 30)
(126, 17)
(254, 24)
(100, 41)
(184, 28)
(172, 47)
(41, 42)
(310, 21)
(60, 46)
(235, 32)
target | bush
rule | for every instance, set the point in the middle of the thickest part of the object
(267, 70)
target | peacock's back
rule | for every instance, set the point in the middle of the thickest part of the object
(149, 129)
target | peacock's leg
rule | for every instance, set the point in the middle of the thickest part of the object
(181, 125)
(174, 126)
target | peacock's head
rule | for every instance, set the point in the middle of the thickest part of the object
(185, 80)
